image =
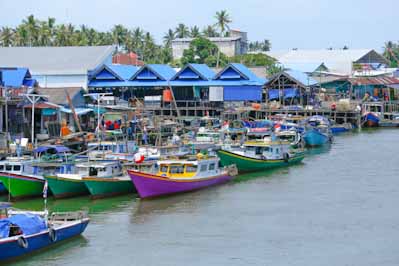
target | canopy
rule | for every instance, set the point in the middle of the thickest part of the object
(57, 148)
(78, 111)
(28, 223)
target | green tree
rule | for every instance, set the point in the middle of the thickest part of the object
(202, 51)
(182, 31)
(209, 31)
(223, 20)
(6, 36)
(169, 37)
(195, 32)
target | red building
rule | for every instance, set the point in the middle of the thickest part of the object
(127, 59)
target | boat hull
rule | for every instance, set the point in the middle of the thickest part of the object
(149, 186)
(314, 138)
(103, 187)
(371, 120)
(246, 164)
(9, 248)
(20, 186)
(66, 188)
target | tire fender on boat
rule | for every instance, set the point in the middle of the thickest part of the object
(22, 242)
(286, 157)
(52, 234)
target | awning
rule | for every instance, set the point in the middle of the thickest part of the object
(78, 111)
(28, 223)
(57, 148)
(48, 111)
(43, 105)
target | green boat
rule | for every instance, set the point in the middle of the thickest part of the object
(22, 186)
(106, 187)
(259, 155)
(63, 186)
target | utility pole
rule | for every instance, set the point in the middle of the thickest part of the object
(33, 99)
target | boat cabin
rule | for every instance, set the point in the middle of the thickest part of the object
(189, 168)
(271, 150)
(99, 169)
(18, 166)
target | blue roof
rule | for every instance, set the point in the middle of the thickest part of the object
(301, 77)
(16, 77)
(124, 71)
(155, 75)
(235, 72)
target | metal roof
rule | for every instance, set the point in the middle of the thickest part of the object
(212, 39)
(374, 81)
(16, 77)
(71, 60)
(202, 71)
(339, 61)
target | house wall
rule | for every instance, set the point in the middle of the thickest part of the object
(58, 81)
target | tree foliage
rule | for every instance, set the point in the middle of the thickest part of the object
(203, 51)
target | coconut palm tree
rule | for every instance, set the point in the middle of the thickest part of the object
(223, 20)
(21, 36)
(182, 31)
(168, 38)
(209, 31)
(195, 32)
(6, 36)
(32, 29)
(119, 33)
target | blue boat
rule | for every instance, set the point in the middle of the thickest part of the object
(372, 113)
(370, 119)
(24, 232)
(317, 131)
(341, 128)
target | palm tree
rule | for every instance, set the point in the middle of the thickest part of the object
(6, 36)
(195, 32)
(32, 29)
(223, 21)
(168, 38)
(209, 31)
(119, 33)
(21, 36)
(182, 31)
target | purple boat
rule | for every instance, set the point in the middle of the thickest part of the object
(177, 176)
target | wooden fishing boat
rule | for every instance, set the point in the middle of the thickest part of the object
(23, 177)
(25, 232)
(97, 178)
(260, 155)
(372, 113)
(180, 175)
(317, 131)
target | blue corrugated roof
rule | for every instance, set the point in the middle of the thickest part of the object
(15, 77)
(124, 71)
(236, 71)
(162, 72)
(301, 77)
(204, 70)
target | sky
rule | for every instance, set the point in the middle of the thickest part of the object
(302, 24)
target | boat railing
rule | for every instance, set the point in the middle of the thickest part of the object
(68, 216)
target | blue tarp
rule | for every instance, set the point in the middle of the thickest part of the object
(28, 223)
(274, 94)
(57, 148)
(242, 93)
(291, 93)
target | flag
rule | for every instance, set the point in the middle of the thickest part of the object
(45, 188)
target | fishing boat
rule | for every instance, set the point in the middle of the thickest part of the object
(181, 175)
(341, 128)
(317, 131)
(372, 114)
(23, 176)
(260, 155)
(97, 178)
(25, 232)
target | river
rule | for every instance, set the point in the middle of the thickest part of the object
(339, 207)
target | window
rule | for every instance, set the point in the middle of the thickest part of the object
(8, 167)
(177, 169)
(1, 167)
(164, 168)
(191, 168)
(17, 168)
(211, 166)
(203, 168)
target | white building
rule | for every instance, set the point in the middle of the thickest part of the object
(58, 66)
(235, 44)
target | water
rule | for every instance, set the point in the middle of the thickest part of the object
(337, 208)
